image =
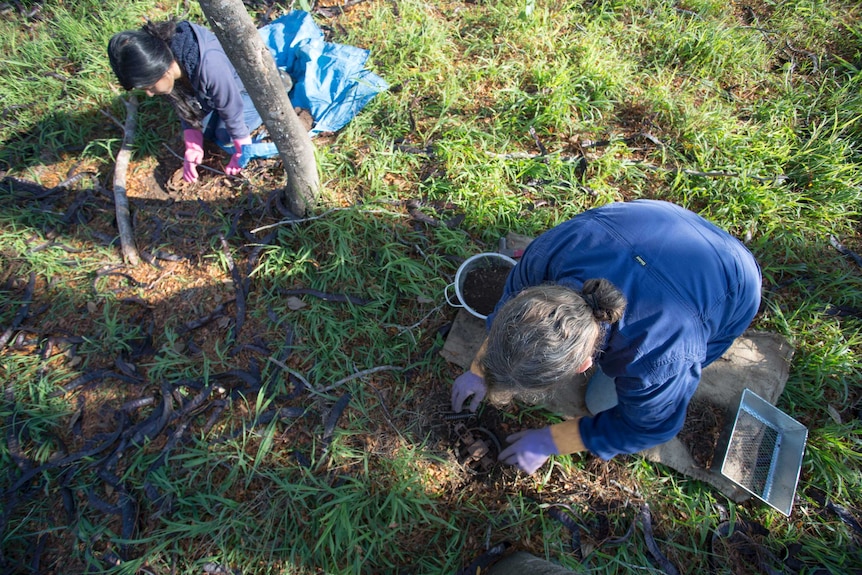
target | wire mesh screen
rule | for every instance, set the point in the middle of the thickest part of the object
(752, 452)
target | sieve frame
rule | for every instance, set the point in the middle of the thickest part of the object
(785, 462)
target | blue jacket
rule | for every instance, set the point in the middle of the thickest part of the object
(217, 85)
(691, 290)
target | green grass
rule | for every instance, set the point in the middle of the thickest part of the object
(768, 93)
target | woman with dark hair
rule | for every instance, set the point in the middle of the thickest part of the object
(185, 63)
(648, 291)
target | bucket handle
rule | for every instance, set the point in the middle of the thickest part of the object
(446, 295)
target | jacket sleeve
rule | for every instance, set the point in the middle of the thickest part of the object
(650, 412)
(217, 80)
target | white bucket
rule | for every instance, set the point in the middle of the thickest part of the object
(479, 260)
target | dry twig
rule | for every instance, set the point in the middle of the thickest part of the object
(359, 374)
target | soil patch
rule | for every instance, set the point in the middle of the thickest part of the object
(703, 426)
(483, 287)
(750, 454)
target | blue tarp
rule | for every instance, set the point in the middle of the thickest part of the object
(330, 80)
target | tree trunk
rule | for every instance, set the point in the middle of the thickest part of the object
(235, 30)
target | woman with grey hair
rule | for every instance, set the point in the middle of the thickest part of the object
(648, 291)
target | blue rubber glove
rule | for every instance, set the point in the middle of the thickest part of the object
(465, 385)
(529, 449)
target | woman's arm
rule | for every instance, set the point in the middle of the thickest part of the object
(218, 83)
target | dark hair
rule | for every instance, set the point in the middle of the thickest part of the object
(544, 334)
(140, 58)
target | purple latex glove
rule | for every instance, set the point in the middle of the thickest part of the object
(465, 385)
(194, 154)
(233, 168)
(529, 449)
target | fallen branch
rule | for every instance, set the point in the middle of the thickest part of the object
(22, 312)
(778, 179)
(545, 154)
(333, 11)
(844, 251)
(843, 311)
(121, 201)
(409, 328)
(336, 297)
(294, 373)
(542, 149)
(627, 140)
(238, 285)
(815, 60)
(217, 313)
(646, 524)
(413, 209)
(295, 220)
(386, 414)
(292, 221)
(538, 157)
(359, 374)
(111, 117)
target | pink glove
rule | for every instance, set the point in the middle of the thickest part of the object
(465, 385)
(194, 154)
(233, 168)
(529, 449)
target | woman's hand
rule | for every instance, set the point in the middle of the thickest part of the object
(529, 449)
(233, 168)
(468, 384)
(194, 154)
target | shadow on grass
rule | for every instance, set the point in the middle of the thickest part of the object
(113, 373)
(88, 134)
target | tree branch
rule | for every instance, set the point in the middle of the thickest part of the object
(121, 201)
(359, 374)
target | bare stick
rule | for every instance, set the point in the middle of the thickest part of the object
(22, 312)
(295, 221)
(529, 156)
(324, 214)
(776, 179)
(111, 117)
(838, 246)
(296, 374)
(121, 201)
(403, 328)
(386, 414)
(238, 288)
(359, 374)
(542, 149)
